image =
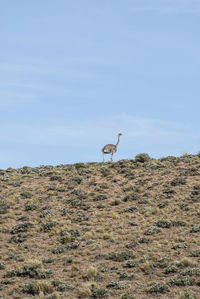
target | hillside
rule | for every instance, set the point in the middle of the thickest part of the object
(127, 229)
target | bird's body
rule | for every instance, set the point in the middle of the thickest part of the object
(108, 148)
(111, 148)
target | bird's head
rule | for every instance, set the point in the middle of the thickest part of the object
(120, 134)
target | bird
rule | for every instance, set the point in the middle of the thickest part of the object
(111, 148)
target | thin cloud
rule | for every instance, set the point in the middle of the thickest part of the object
(83, 140)
(26, 68)
(148, 127)
(8, 98)
(94, 131)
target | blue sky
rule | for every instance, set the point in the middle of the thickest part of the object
(73, 74)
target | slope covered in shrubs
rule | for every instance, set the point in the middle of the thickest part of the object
(127, 229)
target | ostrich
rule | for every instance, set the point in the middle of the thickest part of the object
(110, 148)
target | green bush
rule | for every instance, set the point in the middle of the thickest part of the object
(142, 158)
(158, 288)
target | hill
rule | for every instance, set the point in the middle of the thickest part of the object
(127, 229)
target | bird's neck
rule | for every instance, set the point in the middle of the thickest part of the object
(118, 140)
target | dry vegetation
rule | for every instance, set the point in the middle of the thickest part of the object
(128, 229)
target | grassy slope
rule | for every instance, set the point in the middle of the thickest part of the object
(113, 230)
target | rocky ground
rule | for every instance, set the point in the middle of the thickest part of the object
(127, 229)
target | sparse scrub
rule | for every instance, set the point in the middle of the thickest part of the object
(127, 229)
(32, 269)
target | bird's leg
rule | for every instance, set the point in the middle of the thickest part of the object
(111, 157)
(103, 156)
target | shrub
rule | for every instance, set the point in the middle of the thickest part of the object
(127, 296)
(131, 197)
(152, 230)
(186, 262)
(167, 223)
(119, 285)
(181, 280)
(4, 206)
(60, 286)
(99, 292)
(36, 287)
(158, 288)
(195, 228)
(187, 295)
(142, 158)
(47, 226)
(79, 165)
(26, 194)
(171, 269)
(121, 256)
(21, 227)
(195, 253)
(31, 269)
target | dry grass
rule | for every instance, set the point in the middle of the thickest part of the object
(128, 229)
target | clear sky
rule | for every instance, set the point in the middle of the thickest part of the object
(73, 74)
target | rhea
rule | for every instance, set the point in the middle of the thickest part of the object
(111, 148)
